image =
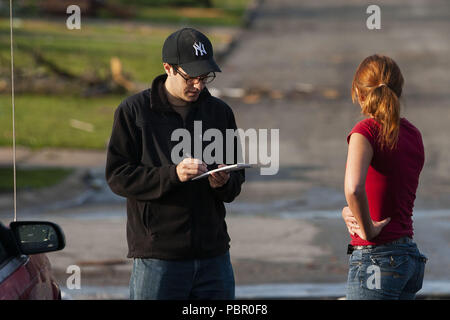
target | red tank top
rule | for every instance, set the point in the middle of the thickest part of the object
(392, 180)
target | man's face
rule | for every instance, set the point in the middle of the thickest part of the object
(188, 91)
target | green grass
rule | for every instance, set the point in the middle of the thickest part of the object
(90, 49)
(31, 178)
(222, 13)
(45, 121)
(87, 50)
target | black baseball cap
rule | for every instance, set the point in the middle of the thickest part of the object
(191, 50)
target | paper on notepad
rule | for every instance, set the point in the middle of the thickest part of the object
(232, 167)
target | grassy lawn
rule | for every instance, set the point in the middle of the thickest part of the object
(31, 178)
(47, 121)
(189, 12)
(90, 49)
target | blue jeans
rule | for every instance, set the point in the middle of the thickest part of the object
(386, 272)
(203, 279)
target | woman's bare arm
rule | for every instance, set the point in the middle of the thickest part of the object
(359, 156)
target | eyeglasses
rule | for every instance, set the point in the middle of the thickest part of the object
(205, 79)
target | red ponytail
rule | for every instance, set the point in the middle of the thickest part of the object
(377, 86)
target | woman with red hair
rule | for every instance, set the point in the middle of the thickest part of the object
(385, 158)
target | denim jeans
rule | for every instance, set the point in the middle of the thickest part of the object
(197, 279)
(386, 272)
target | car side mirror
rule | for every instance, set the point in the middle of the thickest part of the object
(38, 236)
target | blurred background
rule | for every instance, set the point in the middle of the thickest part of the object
(286, 65)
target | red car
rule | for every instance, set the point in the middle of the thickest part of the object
(25, 271)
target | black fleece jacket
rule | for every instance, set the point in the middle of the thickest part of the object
(166, 218)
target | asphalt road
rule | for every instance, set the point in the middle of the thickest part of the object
(299, 59)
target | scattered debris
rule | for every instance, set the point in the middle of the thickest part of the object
(235, 93)
(117, 76)
(41, 60)
(252, 98)
(276, 94)
(304, 88)
(254, 95)
(55, 79)
(77, 124)
(3, 85)
(330, 93)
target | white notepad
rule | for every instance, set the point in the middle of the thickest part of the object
(232, 167)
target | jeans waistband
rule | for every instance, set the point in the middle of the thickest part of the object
(403, 240)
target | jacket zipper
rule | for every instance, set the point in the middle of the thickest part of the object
(195, 247)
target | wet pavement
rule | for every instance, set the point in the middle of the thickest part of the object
(291, 255)
(321, 291)
(299, 58)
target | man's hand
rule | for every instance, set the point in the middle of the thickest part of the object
(354, 228)
(218, 179)
(190, 168)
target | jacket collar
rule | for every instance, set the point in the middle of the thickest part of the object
(159, 103)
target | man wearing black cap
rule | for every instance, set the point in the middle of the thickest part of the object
(176, 228)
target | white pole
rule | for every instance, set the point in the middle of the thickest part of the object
(13, 108)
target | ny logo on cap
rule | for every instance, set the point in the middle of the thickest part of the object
(199, 48)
